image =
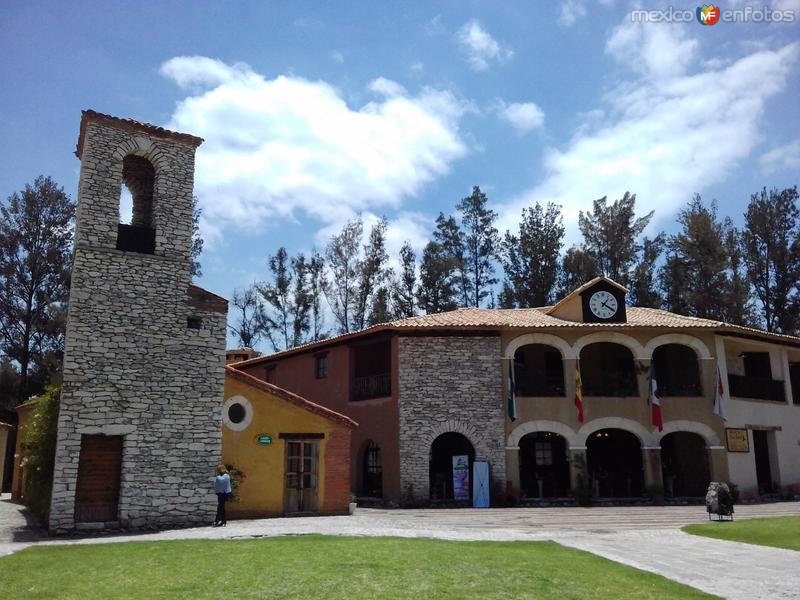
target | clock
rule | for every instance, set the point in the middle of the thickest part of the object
(603, 304)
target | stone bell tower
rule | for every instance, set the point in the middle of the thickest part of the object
(139, 426)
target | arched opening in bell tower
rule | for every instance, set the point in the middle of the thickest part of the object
(136, 231)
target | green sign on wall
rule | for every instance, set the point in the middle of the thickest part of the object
(264, 439)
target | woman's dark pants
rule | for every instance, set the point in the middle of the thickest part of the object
(220, 520)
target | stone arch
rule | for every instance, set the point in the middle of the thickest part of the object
(140, 146)
(613, 337)
(700, 429)
(539, 338)
(677, 338)
(634, 427)
(462, 427)
(523, 429)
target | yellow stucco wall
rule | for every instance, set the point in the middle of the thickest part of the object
(261, 491)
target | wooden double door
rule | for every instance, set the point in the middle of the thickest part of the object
(99, 473)
(301, 486)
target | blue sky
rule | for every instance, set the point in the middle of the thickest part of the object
(314, 112)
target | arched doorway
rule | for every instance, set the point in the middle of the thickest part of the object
(443, 449)
(614, 457)
(543, 467)
(372, 471)
(684, 464)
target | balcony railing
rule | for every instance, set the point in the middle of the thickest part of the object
(757, 388)
(371, 386)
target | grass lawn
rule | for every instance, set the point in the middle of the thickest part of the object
(325, 567)
(780, 532)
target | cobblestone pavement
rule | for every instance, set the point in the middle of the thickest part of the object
(644, 537)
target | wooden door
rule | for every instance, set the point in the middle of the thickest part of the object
(763, 469)
(99, 470)
(301, 481)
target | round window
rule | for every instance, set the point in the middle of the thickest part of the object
(236, 413)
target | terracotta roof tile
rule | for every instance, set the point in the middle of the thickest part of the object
(89, 116)
(283, 394)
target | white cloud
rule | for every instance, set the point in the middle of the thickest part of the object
(655, 51)
(571, 12)
(781, 157)
(522, 116)
(276, 147)
(664, 134)
(480, 46)
(787, 5)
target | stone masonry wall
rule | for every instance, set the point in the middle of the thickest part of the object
(449, 384)
(132, 367)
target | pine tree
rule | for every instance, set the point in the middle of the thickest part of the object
(644, 278)
(344, 265)
(315, 272)
(481, 245)
(610, 233)
(372, 273)
(278, 302)
(437, 291)
(577, 267)
(249, 322)
(300, 308)
(531, 258)
(197, 241)
(450, 244)
(404, 288)
(771, 241)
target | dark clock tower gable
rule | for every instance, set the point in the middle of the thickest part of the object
(605, 286)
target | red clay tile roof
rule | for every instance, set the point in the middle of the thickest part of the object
(88, 116)
(493, 319)
(289, 397)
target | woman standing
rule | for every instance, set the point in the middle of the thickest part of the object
(222, 487)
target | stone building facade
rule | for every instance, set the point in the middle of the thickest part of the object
(449, 384)
(139, 428)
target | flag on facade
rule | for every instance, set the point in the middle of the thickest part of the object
(578, 390)
(655, 402)
(512, 392)
(719, 397)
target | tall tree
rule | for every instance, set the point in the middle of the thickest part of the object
(437, 291)
(344, 265)
(249, 322)
(35, 250)
(771, 240)
(356, 272)
(300, 308)
(380, 310)
(644, 278)
(610, 233)
(315, 273)
(197, 241)
(701, 263)
(577, 267)
(278, 301)
(738, 299)
(451, 246)
(372, 273)
(404, 287)
(531, 258)
(481, 244)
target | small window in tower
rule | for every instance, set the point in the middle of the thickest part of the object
(194, 323)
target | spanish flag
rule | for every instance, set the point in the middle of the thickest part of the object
(578, 390)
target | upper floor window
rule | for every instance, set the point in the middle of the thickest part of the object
(135, 232)
(321, 366)
(607, 369)
(371, 370)
(538, 371)
(676, 370)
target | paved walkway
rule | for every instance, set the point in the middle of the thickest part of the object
(643, 537)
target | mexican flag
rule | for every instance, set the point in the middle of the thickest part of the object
(578, 390)
(719, 397)
(655, 402)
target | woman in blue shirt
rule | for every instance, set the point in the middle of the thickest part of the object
(222, 487)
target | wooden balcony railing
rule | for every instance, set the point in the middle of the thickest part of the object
(371, 386)
(757, 388)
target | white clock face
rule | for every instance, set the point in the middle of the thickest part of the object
(603, 305)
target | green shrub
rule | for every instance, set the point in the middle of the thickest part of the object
(40, 449)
